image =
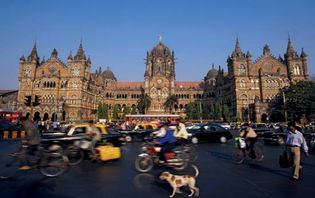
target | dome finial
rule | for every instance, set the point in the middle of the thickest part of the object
(160, 38)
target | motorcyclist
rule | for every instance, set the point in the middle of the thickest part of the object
(250, 138)
(167, 142)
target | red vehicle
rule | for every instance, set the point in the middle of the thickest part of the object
(9, 116)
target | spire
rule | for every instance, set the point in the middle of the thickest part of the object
(266, 50)
(303, 54)
(237, 51)
(22, 58)
(290, 50)
(70, 56)
(34, 54)
(43, 60)
(248, 55)
(80, 53)
(54, 53)
(89, 60)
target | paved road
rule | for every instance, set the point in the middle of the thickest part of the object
(219, 177)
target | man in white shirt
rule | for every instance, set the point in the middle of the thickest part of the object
(180, 132)
(294, 142)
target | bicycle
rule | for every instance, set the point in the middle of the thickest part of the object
(50, 162)
(240, 153)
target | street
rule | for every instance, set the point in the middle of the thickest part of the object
(219, 177)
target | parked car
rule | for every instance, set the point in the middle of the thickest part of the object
(141, 131)
(6, 126)
(210, 133)
(273, 136)
(222, 124)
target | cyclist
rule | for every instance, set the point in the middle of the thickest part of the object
(93, 135)
(250, 138)
(32, 141)
(167, 142)
(180, 132)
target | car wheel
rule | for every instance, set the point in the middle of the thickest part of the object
(280, 140)
(128, 138)
(223, 139)
(194, 140)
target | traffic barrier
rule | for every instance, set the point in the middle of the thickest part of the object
(12, 134)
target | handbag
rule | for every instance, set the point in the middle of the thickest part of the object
(285, 160)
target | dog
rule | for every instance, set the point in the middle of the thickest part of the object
(177, 181)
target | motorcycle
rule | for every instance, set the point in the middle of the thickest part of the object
(148, 158)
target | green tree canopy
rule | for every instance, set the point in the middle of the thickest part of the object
(297, 100)
(144, 103)
(170, 102)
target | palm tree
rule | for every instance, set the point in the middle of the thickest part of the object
(170, 102)
(144, 103)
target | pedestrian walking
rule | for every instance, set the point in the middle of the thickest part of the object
(294, 142)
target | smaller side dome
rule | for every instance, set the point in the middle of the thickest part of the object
(212, 73)
(108, 74)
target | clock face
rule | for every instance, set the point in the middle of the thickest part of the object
(51, 68)
(27, 71)
(159, 81)
(75, 71)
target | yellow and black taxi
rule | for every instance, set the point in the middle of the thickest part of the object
(78, 131)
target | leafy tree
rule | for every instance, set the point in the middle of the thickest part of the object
(144, 103)
(297, 100)
(126, 110)
(170, 102)
(217, 111)
(133, 110)
(101, 111)
(116, 110)
(189, 110)
(226, 113)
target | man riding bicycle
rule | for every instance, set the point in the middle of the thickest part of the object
(250, 137)
(32, 141)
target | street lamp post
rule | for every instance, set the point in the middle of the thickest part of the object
(284, 106)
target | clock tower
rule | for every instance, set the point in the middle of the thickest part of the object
(159, 76)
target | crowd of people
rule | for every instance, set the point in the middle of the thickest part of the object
(168, 139)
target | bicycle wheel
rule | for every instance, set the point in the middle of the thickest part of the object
(74, 154)
(238, 156)
(53, 164)
(191, 151)
(9, 165)
(259, 152)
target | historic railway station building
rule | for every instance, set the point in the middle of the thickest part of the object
(70, 91)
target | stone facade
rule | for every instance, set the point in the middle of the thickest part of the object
(69, 91)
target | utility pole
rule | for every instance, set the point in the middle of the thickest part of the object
(284, 107)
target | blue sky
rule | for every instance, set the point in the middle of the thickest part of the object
(117, 33)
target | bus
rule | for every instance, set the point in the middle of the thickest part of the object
(8, 116)
(152, 117)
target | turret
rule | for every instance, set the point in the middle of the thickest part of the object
(80, 53)
(33, 57)
(266, 50)
(54, 54)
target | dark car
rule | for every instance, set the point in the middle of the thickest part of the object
(209, 133)
(6, 126)
(273, 136)
(77, 132)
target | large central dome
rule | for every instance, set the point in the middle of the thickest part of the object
(160, 49)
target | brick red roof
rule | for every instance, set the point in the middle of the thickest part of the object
(189, 84)
(132, 85)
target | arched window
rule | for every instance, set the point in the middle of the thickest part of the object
(242, 70)
(242, 83)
